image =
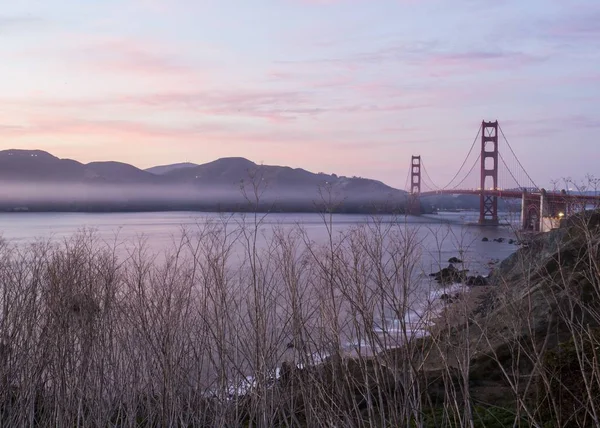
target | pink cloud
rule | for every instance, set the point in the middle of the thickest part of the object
(57, 126)
(135, 57)
(419, 59)
(476, 61)
(272, 105)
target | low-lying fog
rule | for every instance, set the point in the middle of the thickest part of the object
(19, 194)
(64, 192)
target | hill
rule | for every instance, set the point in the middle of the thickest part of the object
(121, 172)
(286, 187)
(39, 166)
(37, 180)
(163, 169)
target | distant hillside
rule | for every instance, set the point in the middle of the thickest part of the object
(39, 166)
(232, 171)
(122, 172)
(37, 180)
(284, 184)
(164, 169)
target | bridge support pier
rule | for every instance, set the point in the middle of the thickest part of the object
(545, 224)
(530, 212)
(488, 203)
(552, 210)
(542, 212)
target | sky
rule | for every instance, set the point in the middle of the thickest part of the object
(353, 87)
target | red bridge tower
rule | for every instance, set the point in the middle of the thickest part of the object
(488, 204)
(414, 202)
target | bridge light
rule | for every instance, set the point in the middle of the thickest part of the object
(561, 214)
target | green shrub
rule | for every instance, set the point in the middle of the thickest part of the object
(570, 371)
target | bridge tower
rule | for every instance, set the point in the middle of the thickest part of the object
(414, 201)
(488, 204)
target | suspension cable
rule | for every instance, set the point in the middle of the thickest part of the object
(435, 186)
(511, 149)
(464, 162)
(509, 171)
(465, 177)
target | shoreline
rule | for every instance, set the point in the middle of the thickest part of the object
(457, 312)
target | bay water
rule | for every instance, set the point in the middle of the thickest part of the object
(440, 237)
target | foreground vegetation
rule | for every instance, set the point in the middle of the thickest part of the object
(239, 325)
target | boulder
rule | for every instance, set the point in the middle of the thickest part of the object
(476, 281)
(449, 298)
(484, 239)
(446, 298)
(450, 275)
(454, 260)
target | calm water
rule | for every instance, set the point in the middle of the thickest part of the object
(440, 236)
(445, 232)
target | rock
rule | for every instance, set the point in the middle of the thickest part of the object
(454, 260)
(450, 275)
(484, 239)
(476, 281)
(511, 241)
(449, 298)
(500, 240)
(446, 298)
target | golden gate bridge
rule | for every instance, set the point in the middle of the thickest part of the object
(494, 175)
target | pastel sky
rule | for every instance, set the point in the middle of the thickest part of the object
(353, 87)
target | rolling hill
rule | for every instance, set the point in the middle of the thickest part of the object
(37, 180)
(163, 169)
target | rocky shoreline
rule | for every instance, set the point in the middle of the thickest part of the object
(494, 346)
(520, 311)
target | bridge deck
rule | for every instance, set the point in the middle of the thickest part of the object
(513, 194)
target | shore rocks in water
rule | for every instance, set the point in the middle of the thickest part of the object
(501, 240)
(449, 298)
(450, 275)
(454, 260)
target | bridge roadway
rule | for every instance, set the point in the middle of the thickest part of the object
(514, 194)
